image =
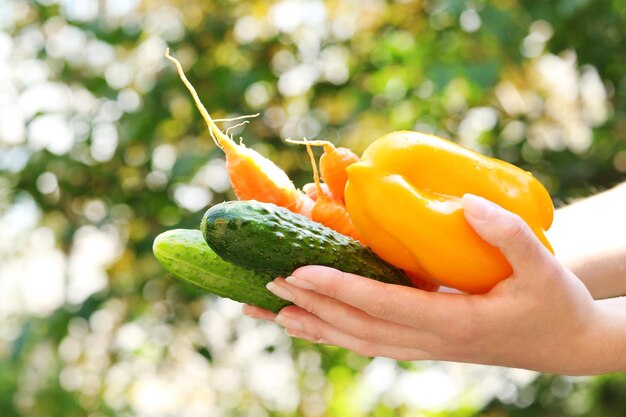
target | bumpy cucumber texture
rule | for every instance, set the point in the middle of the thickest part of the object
(274, 240)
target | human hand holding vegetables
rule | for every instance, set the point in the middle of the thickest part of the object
(542, 317)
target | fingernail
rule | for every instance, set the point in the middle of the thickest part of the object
(477, 207)
(295, 333)
(279, 291)
(303, 335)
(289, 323)
(300, 283)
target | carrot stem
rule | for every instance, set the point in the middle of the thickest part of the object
(232, 119)
(316, 174)
(237, 125)
(220, 138)
(318, 142)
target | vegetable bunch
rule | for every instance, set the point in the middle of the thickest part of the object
(401, 199)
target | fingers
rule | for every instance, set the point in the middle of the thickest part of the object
(323, 319)
(302, 324)
(351, 320)
(310, 189)
(394, 303)
(509, 233)
(258, 313)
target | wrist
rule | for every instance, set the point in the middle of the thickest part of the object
(606, 340)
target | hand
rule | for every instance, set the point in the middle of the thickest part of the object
(541, 317)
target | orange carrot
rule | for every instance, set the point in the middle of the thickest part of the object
(252, 176)
(330, 211)
(333, 164)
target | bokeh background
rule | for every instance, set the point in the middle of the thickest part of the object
(101, 149)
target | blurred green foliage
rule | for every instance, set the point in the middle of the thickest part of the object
(538, 83)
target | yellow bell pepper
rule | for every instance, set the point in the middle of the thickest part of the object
(404, 198)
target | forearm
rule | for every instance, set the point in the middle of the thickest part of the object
(589, 237)
(608, 350)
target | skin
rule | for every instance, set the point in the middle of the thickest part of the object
(557, 314)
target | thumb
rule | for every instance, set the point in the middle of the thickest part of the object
(508, 232)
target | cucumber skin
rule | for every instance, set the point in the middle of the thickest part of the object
(185, 255)
(269, 238)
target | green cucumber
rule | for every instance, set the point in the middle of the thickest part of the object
(272, 239)
(185, 254)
